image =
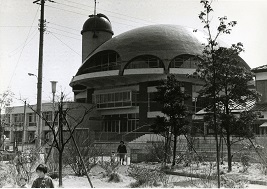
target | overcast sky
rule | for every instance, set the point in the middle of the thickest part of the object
(19, 42)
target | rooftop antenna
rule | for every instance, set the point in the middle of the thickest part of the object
(95, 8)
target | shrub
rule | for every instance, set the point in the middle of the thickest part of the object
(147, 177)
(137, 184)
(110, 166)
(8, 175)
(233, 182)
(245, 162)
(155, 152)
(90, 156)
(114, 177)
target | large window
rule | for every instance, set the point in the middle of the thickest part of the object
(18, 119)
(121, 123)
(102, 61)
(32, 119)
(184, 61)
(153, 105)
(145, 62)
(116, 99)
(48, 117)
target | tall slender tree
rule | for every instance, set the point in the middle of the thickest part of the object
(172, 96)
(225, 78)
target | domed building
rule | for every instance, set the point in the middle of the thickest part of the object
(119, 75)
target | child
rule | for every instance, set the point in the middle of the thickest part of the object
(43, 181)
(23, 182)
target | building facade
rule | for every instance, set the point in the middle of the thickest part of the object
(119, 75)
(261, 106)
(20, 127)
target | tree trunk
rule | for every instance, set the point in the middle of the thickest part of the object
(174, 149)
(60, 163)
(229, 154)
(1, 131)
(166, 148)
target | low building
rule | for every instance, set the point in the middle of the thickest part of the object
(261, 106)
(21, 127)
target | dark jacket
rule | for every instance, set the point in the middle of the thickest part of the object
(122, 149)
(45, 182)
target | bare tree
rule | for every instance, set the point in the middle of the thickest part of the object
(67, 125)
(5, 100)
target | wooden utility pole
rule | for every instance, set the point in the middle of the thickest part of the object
(24, 126)
(40, 76)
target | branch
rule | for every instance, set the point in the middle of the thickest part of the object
(72, 131)
(48, 124)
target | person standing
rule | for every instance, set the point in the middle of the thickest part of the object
(122, 151)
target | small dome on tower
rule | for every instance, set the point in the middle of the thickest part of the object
(99, 22)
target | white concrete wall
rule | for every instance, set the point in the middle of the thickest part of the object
(261, 76)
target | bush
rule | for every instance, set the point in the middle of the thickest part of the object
(233, 182)
(245, 162)
(114, 177)
(110, 167)
(147, 177)
(90, 156)
(155, 152)
(8, 175)
(137, 184)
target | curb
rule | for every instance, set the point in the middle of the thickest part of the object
(210, 177)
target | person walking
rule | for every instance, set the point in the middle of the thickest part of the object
(122, 151)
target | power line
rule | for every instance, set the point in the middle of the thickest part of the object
(65, 10)
(10, 53)
(87, 10)
(84, 14)
(72, 6)
(63, 35)
(63, 31)
(17, 26)
(62, 26)
(110, 16)
(23, 48)
(112, 12)
(66, 44)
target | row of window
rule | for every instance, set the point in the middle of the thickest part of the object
(145, 62)
(116, 99)
(184, 61)
(18, 119)
(110, 60)
(121, 123)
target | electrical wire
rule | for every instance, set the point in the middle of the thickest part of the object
(63, 35)
(22, 49)
(85, 14)
(66, 44)
(112, 12)
(17, 26)
(88, 10)
(52, 23)
(62, 31)
(20, 46)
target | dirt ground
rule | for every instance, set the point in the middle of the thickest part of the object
(99, 181)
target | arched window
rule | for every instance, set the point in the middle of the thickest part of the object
(145, 62)
(184, 61)
(102, 61)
